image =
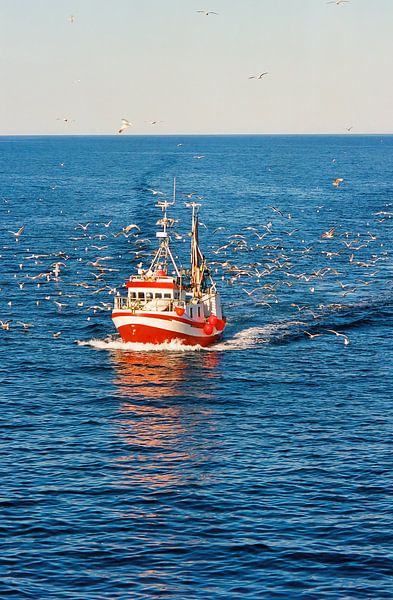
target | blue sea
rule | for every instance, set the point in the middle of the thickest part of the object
(258, 468)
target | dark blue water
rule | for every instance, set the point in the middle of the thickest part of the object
(260, 468)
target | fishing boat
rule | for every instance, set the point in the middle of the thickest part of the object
(167, 302)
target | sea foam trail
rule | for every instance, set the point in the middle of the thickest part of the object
(118, 344)
(242, 340)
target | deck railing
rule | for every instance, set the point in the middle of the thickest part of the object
(153, 305)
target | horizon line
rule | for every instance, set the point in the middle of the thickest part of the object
(116, 135)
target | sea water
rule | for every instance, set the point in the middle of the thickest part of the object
(256, 468)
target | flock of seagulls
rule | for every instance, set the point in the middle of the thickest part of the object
(271, 262)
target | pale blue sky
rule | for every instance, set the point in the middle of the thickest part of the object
(330, 67)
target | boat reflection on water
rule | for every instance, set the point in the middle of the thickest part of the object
(165, 374)
(164, 418)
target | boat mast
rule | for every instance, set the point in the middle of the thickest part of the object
(197, 259)
(164, 251)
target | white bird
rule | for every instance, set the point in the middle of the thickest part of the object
(346, 338)
(155, 192)
(84, 227)
(337, 2)
(125, 125)
(18, 233)
(312, 335)
(55, 334)
(259, 76)
(59, 305)
(24, 325)
(336, 183)
(131, 226)
(207, 12)
(5, 325)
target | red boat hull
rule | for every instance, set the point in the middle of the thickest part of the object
(148, 328)
(144, 334)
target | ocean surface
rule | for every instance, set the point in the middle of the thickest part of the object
(258, 468)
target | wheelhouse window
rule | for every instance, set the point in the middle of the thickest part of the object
(167, 296)
(158, 295)
(132, 295)
(199, 311)
(191, 313)
(141, 295)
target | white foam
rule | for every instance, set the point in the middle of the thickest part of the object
(242, 340)
(118, 344)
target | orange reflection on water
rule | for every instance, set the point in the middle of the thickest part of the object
(162, 437)
(162, 374)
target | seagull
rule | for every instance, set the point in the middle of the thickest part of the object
(155, 192)
(207, 12)
(55, 334)
(84, 227)
(198, 156)
(131, 226)
(18, 233)
(154, 122)
(349, 128)
(125, 125)
(337, 2)
(5, 325)
(259, 76)
(59, 305)
(346, 338)
(65, 120)
(24, 325)
(312, 335)
(328, 234)
(337, 182)
(276, 210)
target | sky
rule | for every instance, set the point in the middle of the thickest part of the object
(329, 66)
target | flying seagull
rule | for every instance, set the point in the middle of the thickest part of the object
(346, 338)
(125, 124)
(55, 334)
(207, 12)
(336, 183)
(18, 233)
(155, 192)
(259, 76)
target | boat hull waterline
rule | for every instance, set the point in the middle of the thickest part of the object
(154, 329)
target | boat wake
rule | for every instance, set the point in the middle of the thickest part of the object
(116, 343)
(344, 318)
(247, 338)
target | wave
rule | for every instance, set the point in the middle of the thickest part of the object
(242, 340)
(115, 343)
